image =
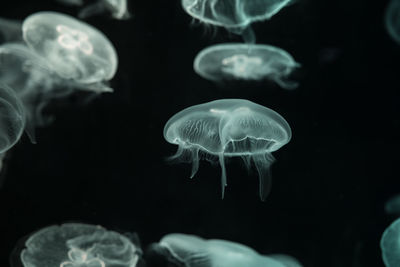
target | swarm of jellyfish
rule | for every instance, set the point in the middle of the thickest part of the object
(78, 245)
(192, 251)
(229, 128)
(246, 62)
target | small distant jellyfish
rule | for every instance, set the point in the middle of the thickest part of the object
(79, 245)
(246, 62)
(71, 2)
(10, 30)
(74, 50)
(390, 245)
(117, 8)
(12, 120)
(392, 206)
(392, 19)
(193, 251)
(229, 128)
(234, 15)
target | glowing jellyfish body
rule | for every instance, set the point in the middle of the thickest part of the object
(117, 8)
(392, 19)
(392, 206)
(246, 62)
(193, 251)
(78, 245)
(390, 245)
(229, 128)
(73, 49)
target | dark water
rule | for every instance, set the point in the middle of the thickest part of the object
(104, 162)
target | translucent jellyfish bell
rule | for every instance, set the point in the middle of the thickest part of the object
(390, 245)
(229, 128)
(74, 49)
(392, 19)
(78, 245)
(234, 15)
(193, 251)
(246, 62)
(117, 8)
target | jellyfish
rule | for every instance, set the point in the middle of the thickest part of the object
(392, 19)
(234, 15)
(246, 62)
(117, 8)
(390, 245)
(12, 120)
(78, 245)
(392, 206)
(10, 30)
(193, 251)
(229, 128)
(73, 49)
(71, 2)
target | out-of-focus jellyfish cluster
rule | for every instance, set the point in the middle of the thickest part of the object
(241, 61)
(49, 55)
(79, 245)
(229, 128)
(392, 19)
(192, 251)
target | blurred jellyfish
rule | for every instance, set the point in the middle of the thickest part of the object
(10, 30)
(192, 251)
(79, 245)
(235, 15)
(246, 62)
(73, 49)
(12, 120)
(392, 206)
(229, 128)
(392, 19)
(117, 8)
(390, 245)
(71, 2)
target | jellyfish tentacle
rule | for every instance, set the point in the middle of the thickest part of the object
(223, 174)
(195, 162)
(263, 165)
(248, 35)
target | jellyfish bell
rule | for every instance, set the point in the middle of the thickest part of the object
(235, 61)
(73, 245)
(117, 8)
(392, 20)
(193, 251)
(390, 245)
(229, 128)
(75, 50)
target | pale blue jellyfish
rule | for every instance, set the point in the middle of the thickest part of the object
(12, 120)
(10, 30)
(73, 49)
(192, 251)
(71, 2)
(229, 128)
(392, 19)
(234, 15)
(246, 62)
(390, 245)
(79, 245)
(117, 8)
(392, 206)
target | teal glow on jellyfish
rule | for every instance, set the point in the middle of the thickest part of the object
(10, 30)
(78, 245)
(192, 251)
(390, 245)
(392, 19)
(117, 8)
(74, 49)
(246, 62)
(12, 120)
(229, 128)
(392, 206)
(234, 15)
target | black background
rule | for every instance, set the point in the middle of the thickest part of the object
(104, 162)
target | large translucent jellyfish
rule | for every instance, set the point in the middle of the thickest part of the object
(73, 49)
(12, 120)
(79, 245)
(229, 128)
(117, 8)
(235, 15)
(246, 62)
(392, 19)
(390, 245)
(192, 251)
